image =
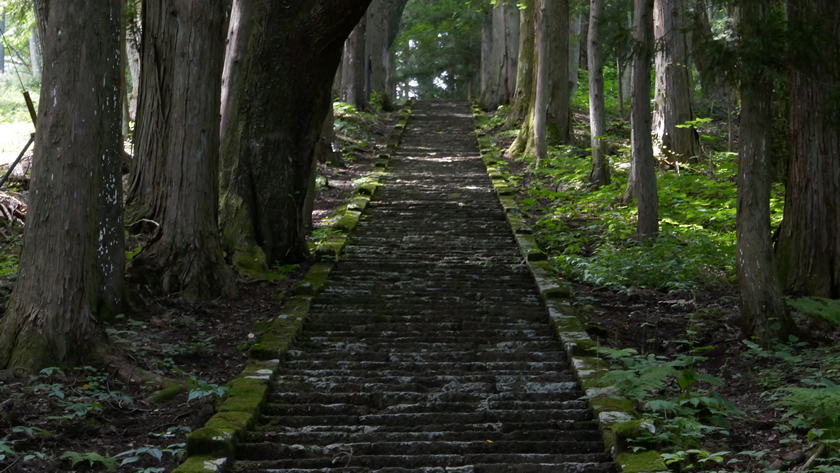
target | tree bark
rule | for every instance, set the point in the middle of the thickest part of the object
(35, 51)
(376, 51)
(71, 267)
(672, 99)
(353, 67)
(503, 55)
(808, 246)
(281, 100)
(524, 70)
(600, 175)
(575, 39)
(559, 113)
(642, 182)
(132, 47)
(558, 99)
(541, 93)
(175, 176)
(761, 304)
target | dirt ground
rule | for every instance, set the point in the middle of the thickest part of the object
(88, 417)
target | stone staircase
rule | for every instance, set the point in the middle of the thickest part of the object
(429, 350)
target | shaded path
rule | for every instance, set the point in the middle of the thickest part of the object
(429, 350)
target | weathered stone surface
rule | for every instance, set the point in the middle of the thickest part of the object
(429, 348)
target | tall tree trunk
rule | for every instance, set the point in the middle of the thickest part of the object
(376, 49)
(2, 44)
(808, 246)
(353, 67)
(282, 98)
(541, 94)
(600, 174)
(642, 182)
(175, 176)
(559, 113)
(524, 70)
(575, 39)
(132, 53)
(486, 52)
(558, 100)
(35, 51)
(672, 99)
(71, 267)
(126, 119)
(761, 295)
(503, 55)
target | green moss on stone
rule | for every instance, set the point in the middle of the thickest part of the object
(246, 395)
(350, 219)
(617, 404)
(314, 281)
(202, 464)
(367, 189)
(642, 462)
(250, 262)
(171, 390)
(332, 248)
(529, 248)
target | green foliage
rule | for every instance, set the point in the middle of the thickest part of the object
(827, 310)
(438, 49)
(588, 232)
(94, 460)
(200, 389)
(677, 399)
(351, 125)
(177, 450)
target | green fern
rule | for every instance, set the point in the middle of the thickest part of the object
(816, 403)
(827, 310)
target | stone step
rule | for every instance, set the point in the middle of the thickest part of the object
(524, 318)
(413, 367)
(410, 327)
(442, 381)
(272, 451)
(383, 400)
(328, 437)
(570, 462)
(485, 468)
(410, 421)
(459, 356)
(423, 407)
(535, 332)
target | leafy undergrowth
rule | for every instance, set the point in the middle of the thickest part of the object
(86, 419)
(666, 312)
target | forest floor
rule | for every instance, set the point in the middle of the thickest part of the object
(85, 419)
(694, 329)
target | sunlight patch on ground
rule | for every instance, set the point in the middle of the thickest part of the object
(13, 137)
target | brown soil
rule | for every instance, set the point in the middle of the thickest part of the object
(207, 341)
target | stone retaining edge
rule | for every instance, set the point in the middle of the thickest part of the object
(212, 448)
(615, 413)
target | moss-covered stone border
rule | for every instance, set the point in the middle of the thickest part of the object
(616, 416)
(212, 448)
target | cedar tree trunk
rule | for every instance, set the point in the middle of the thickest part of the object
(503, 55)
(809, 241)
(642, 182)
(175, 173)
(672, 99)
(762, 305)
(353, 70)
(71, 267)
(541, 94)
(290, 55)
(524, 71)
(600, 175)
